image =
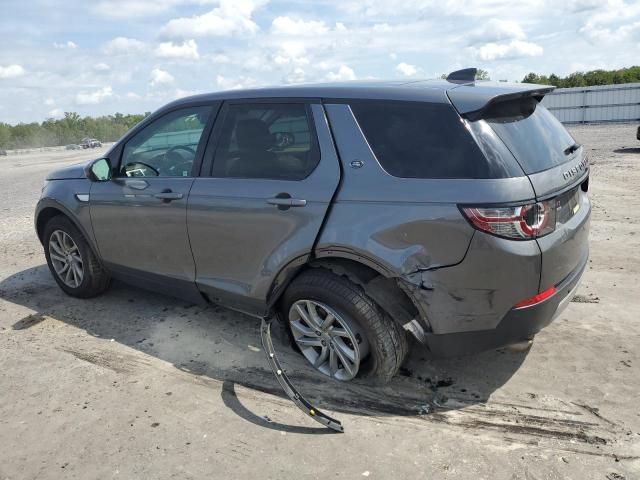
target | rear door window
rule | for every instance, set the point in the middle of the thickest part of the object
(423, 140)
(534, 136)
(270, 141)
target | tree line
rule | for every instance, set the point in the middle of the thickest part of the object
(72, 128)
(586, 79)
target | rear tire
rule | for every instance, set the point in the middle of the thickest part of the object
(66, 249)
(385, 344)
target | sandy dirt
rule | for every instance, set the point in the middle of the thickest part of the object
(137, 385)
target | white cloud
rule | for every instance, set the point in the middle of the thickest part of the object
(219, 58)
(382, 28)
(139, 8)
(297, 75)
(421, 8)
(406, 69)
(291, 52)
(251, 42)
(343, 73)
(95, 97)
(187, 50)
(101, 67)
(616, 22)
(179, 93)
(225, 83)
(495, 30)
(577, 6)
(56, 113)
(290, 26)
(69, 44)
(160, 77)
(49, 102)
(513, 49)
(11, 71)
(123, 45)
(231, 17)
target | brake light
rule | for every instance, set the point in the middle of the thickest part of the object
(527, 302)
(523, 222)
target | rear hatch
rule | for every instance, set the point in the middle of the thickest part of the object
(555, 164)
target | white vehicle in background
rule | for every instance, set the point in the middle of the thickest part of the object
(90, 143)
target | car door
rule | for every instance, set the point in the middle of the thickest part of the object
(269, 174)
(139, 217)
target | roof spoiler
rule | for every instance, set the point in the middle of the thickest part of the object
(473, 100)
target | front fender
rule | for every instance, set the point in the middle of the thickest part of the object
(61, 196)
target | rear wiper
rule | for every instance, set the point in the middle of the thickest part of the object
(572, 148)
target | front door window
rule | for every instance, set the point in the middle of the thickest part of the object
(167, 147)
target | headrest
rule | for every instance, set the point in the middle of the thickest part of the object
(253, 134)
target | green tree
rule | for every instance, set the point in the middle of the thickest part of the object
(482, 75)
(585, 79)
(69, 129)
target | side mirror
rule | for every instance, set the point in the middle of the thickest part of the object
(99, 170)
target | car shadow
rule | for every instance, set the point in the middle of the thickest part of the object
(214, 342)
(627, 150)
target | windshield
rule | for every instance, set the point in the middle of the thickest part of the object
(534, 136)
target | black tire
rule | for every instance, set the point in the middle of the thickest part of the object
(388, 343)
(95, 278)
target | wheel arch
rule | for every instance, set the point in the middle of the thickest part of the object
(376, 282)
(48, 209)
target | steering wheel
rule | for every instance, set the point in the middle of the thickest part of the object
(174, 149)
(176, 162)
(137, 167)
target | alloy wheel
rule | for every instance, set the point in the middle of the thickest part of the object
(66, 259)
(332, 344)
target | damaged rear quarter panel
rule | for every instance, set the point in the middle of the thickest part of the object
(478, 293)
(411, 229)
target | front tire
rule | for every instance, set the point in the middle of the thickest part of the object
(74, 266)
(340, 330)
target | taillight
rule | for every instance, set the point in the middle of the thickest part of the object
(523, 222)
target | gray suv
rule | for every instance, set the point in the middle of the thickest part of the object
(360, 214)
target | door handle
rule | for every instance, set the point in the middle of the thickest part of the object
(287, 202)
(168, 195)
(136, 184)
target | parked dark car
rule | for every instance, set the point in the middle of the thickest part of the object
(90, 143)
(455, 210)
(3, 153)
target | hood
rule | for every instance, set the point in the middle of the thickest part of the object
(71, 171)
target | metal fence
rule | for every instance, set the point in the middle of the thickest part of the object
(602, 103)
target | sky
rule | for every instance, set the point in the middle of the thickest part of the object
(98, 57)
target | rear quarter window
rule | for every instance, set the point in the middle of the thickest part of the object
(423, 140)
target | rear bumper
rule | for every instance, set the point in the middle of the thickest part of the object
(517, 325)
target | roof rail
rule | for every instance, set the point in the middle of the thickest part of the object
(465, 75)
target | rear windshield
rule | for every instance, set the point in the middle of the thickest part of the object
(423, 140)
(534, 136)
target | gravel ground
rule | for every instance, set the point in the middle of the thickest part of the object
(136, 385)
